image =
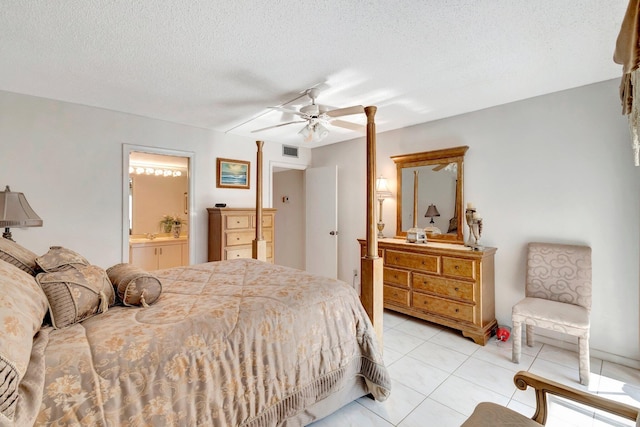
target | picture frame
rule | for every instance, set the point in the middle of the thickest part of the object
(233, 173)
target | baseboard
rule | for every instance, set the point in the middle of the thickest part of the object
(573, 346)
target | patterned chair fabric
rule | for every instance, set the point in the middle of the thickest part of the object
(558, 297)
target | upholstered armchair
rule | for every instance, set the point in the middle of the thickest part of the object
(557, 297)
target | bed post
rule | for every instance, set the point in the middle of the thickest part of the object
(371, 263)
(259, 247)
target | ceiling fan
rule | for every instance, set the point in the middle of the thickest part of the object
(318, 117)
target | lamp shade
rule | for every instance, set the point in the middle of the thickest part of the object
(382, 190)
(432, 211)
(15, 210)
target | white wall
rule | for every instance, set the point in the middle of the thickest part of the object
(67, 159)
(553, 168)
(290, 218)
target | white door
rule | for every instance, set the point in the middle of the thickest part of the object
(321, 213)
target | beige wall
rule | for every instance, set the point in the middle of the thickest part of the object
(290, 218)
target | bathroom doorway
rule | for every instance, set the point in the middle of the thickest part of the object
(157, 207)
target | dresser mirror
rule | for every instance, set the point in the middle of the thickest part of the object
(430, 194)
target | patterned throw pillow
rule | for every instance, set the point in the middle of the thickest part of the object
(59, 259)
(77, 293)
(15, 254)
(22, 309)
(133, 285)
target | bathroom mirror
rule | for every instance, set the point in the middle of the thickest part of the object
(430, 194)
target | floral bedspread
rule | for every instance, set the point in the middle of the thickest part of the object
(231, 343)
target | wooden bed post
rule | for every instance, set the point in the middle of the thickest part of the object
(371, 263)
(259, 247)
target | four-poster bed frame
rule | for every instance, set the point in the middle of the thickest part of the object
(371, 263)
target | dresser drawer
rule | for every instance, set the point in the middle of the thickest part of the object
(238, 253)
(443, 307)
(395, 295)
(267, 221)
(236, 238)
(238, 221)
(458, 267)
(445, 287)
(397, 277)
(429, 263)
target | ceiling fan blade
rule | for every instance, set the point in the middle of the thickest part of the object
(346, 111)
(277, 126)
(347, 125)
(286, 110)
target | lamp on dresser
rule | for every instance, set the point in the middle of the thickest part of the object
(382, 191)
(15, 211)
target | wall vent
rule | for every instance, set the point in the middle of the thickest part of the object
(289, 151)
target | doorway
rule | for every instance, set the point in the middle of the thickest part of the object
(157, 203)
(292, 199)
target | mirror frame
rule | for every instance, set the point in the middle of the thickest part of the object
(448, 155)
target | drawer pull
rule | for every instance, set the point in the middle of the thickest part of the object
(457, 267)
(457, 310)
(237, 238)
(395, 276)
(457, 289)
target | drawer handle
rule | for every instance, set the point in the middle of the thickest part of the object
(395, 276)
(237, 238)
(457, 267)
(457, 289)
(457, 310)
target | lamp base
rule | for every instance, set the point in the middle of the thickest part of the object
(7, 234)
(380, 228)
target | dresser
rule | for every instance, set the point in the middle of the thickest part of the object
(447, 284)
(232, 231)
(159, 253)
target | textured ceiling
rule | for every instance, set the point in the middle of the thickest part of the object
(219, 64)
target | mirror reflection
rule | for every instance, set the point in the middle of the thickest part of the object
(430, 193)
(436, 207)
(158, 188)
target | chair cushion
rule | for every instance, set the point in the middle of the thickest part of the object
(549, 314)
(488, 414)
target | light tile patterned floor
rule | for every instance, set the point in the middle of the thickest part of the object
(439, 377)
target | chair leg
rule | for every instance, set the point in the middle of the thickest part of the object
(516, 343)
(583, 353)
(531, 338)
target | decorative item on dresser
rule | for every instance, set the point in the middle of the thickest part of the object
(232, 230)
(447, 284)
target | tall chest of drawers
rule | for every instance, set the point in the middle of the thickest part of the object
(232, 231)
(446, 284)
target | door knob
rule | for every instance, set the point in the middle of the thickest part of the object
(333, 233)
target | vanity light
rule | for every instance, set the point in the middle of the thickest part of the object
(147, 170)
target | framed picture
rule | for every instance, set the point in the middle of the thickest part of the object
(233, 173)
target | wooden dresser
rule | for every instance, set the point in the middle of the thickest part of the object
(443, 283)
(232, 231)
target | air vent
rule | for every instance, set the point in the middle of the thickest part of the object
(289, 151)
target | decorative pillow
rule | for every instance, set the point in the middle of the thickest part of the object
(22, 309)
(15, 254)
(76, 293)
(59, 259)
(133, 285)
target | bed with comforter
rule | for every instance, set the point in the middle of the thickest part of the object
(229, 343)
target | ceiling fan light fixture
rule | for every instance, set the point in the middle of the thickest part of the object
(320, 132)
(306, 133)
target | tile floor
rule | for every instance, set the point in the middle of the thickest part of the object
(439, 377)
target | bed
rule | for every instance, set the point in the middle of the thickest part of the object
(228, 343)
